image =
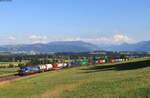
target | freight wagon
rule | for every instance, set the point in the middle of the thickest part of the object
(102, 61)
(49, 67)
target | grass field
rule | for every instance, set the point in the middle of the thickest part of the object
(118, 80)
(11, 63)
(7, 71)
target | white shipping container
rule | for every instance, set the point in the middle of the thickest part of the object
(104, 61)
(96, 62)
(60, 65)
(65, 65)
(126, 59)
(42, 67)
(117, 60)
(49, 66)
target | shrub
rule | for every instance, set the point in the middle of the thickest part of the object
(21, 65)
(10, 66)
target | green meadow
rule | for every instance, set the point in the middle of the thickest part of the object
(8, 71)
(129, 79)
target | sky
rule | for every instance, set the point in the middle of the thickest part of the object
(95, 21)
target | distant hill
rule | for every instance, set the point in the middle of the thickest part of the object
(74, 46)
(59, 46)
(143, 46)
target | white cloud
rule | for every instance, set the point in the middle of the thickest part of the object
(39, 42)
(12, 38)
(119, 38)
(115, 39)
(37, 37)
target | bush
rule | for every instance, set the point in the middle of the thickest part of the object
(21, 65)
(33, 62)
(3, 66)
(11, 66)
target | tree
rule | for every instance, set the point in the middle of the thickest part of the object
(33, 62)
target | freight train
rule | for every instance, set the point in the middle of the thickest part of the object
(26, 70)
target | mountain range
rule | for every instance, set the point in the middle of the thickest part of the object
(75, 46)
(58, 46)
(143, 46)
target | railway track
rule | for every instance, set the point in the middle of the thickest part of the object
(9, 77)
(16, 76)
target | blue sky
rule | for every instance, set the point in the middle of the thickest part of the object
(97, 21)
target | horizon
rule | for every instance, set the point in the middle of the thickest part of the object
(98, 22)
(97, 44)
